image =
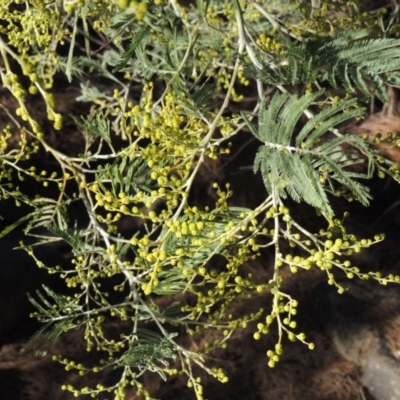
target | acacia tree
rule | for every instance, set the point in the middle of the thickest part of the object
(335, 54)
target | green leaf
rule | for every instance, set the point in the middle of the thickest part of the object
(140, 36)
(357, 59)
(71, 237)
(295, 165)
(49, 307)
(149, 348)
(94, 126)
(15, 224)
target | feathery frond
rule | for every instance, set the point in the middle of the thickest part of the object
(358, 61)
(49, 306)
(297, 165)
(148, 349)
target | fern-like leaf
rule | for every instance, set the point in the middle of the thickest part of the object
(358, 61)
(48, 305)
(94, 126)
(140, 36)
(297, 165)
(148, 349)
(125, 176)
